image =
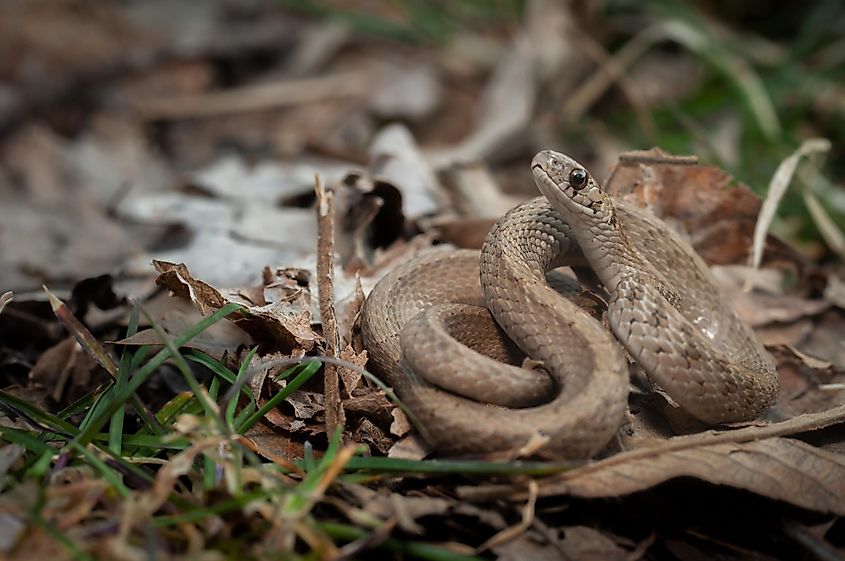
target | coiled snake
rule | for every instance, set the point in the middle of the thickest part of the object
(429, 331)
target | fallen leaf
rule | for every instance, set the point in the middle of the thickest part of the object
(62, 228)
(758, 308)
(175, 316)
(758, 459)
(278, 315)
(703, 203)
(46, 48)
(825, 342)
(779, 468)
(368, 433)
(306, 405)
(66, 371)
(477, 192)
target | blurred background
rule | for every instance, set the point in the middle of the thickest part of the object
(146, 128)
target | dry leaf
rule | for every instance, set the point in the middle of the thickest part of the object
(369, 433)
(175, 316)
(279, 314)
(704, 203)
(825, 342)
(758, 308)
(66, 371)
(578, 542)
(779, 468)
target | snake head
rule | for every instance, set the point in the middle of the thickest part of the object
(570, 187)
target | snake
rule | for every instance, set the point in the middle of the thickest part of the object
(488, 357)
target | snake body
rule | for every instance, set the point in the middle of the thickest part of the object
(441, 328)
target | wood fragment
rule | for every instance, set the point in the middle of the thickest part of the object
(655, 157)
(93, 348)
(325, 290)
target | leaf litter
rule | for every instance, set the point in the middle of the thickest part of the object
(211, 178)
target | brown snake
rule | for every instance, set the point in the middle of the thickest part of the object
(429, 333)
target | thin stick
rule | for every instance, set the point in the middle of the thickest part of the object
(325, 289)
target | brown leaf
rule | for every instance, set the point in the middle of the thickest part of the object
(477, 192)
(48, 47)
(176, 278)
(369, 433)
(66, 368)
(278, 314)
(785, 334)
(373, 403)
(306, 405)
(825, 342)
(756, 458)
(368, 215)
(59, 216)
(353, 380)
(703, 202)
(757, 307)
(175, 316)
(408, 509)
(779, 468)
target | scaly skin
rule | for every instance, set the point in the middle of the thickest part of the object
(663, 307)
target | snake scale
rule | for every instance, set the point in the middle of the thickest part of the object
(447, 328)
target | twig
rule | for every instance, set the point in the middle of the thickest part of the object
(655, 157)
(325, 289)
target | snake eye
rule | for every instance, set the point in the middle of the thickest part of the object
(578, 179)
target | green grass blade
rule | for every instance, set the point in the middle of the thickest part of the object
(463, 467)
(145, 371)
(306, 370)
(34, 414)
(108, 473)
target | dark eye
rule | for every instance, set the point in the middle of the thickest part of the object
(578, 178)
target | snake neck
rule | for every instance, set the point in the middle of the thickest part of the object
(609, 251)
